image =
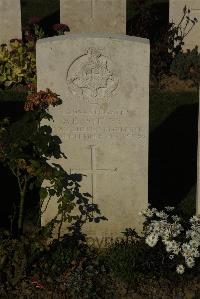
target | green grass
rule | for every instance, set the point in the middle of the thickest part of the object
(163, 103)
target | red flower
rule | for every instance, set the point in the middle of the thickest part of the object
(39, 286)
(34, 20)
(60, 27)
(36, 283)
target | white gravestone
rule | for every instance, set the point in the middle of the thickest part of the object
(94, 15)
(103, 81)
(176, 13)
(10, 20)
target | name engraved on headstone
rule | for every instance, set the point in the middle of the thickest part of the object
(79, 125)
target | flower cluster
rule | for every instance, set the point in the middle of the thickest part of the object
(34, 20)
(60, 28)
(37, 284)
(41, 99)
(166, 227)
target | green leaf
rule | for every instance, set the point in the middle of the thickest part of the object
(52, 192)
(7, 83)
(43, 193)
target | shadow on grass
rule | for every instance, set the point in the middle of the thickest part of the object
(173, 157)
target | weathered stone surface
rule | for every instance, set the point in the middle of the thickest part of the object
(10, 20)
(176, 13)
(103, 81)
(94, 15)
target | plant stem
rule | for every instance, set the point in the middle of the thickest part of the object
(21, 210)
(21, 207)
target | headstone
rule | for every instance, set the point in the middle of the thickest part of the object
(10, 20)
(176, 13)
(103, 81)
(94, 15)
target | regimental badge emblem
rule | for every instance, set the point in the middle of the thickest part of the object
(92, 76)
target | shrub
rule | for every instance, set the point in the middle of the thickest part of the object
(26, 147)
(166, 39)
(187, 65)
(153, 263)
(17, 64)
(169, 45)
(18, 59)
(181, 241)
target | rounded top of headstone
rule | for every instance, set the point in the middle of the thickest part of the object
(94, 35)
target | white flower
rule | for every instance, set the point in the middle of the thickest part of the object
(165, 241)
(186, 248)
(166, 234)
(176, 218)
(169, 246)
(176, 250)
(192, 234)
(172, 246)
(189, 262)
(168, 208)
(147, 213)
(176, 229)
(151, 240)
(168, 231)
(196, 253)
(195, 218)
(161, 214)
(180, 269)
(194, 243)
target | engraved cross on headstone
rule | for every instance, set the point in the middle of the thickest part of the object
(92, 9)
(93, 171)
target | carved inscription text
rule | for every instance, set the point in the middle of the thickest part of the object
(97, 125)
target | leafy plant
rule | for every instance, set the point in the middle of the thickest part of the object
(166, 38)
(169, 45)
(60, 29)
(17, 256)
(17, 64)
(147, 265)
(187, 65)
(26, 147)
(33, 30)
(181, 241)
(18, 59)
(90, 278)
